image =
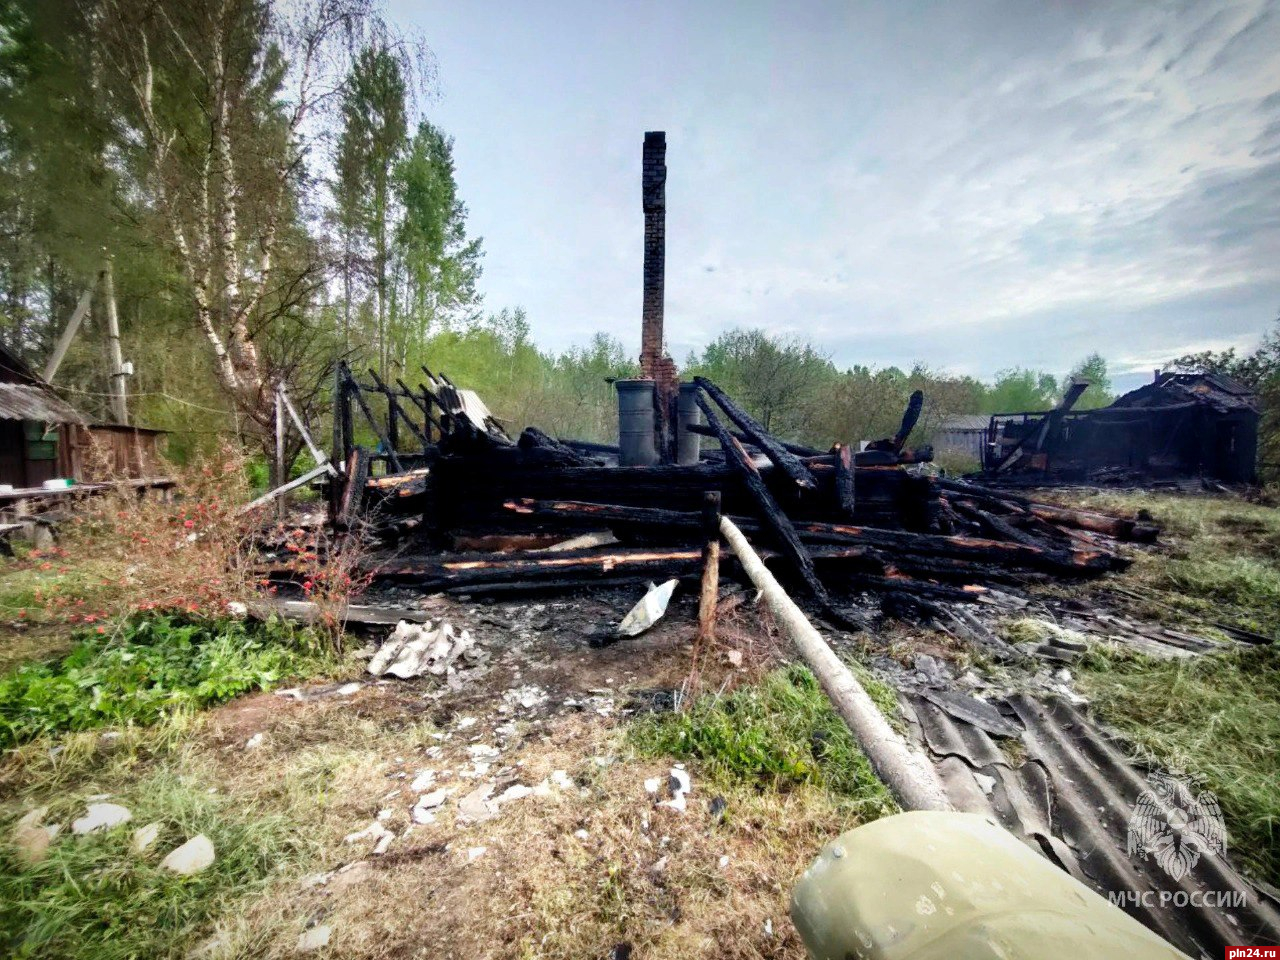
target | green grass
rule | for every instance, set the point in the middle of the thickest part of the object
(1214, 717)
(1218, 559)
(92, 898)
(149, 668)
(781, 732)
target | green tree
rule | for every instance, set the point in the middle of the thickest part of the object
(1093, 370)
(439, 265)
(372, 139)
(1016, 390)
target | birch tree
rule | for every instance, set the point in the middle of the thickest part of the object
(222, 103)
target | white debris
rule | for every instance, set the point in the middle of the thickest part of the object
(527, 697)
(348, 876)
(562, 780)
(475, 853)
(652, 784)
(427, 803)
(192, 857)
(724, 862)
(376, 832)
(516, 791)
(648, 611)
(144, 838)
(315, 939)
(422, 781)
(254, 742)
(474, 807)
(483, 751)
(414, 649)
(347, 689)
(768, 927)
(581, 834)
(466, 722)
(679, 784)
(237, 609)
(101, 816)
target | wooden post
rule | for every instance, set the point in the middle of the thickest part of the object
(710, 567)
(68, 333)
(119, 403)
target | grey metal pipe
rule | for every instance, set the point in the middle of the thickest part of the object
(635, 424)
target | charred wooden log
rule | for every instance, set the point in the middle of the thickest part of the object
(845, 496)
(783, 459)
(770, 514)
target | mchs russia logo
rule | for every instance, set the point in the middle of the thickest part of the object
(1175, 825)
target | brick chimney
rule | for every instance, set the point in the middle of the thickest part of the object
(654, 363)
(654, 193)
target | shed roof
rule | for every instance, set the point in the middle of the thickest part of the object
(29, 401)
(966, 422)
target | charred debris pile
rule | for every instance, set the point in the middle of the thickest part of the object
(447, 502)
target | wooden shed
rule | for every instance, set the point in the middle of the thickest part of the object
(42, 437)
(37, 427)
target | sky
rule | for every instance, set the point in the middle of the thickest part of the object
(969, 185)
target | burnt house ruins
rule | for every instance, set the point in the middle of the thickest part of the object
(465, 508)
(1181, 426)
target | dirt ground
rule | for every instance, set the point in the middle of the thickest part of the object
(590, 864)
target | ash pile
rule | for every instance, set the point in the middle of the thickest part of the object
(447, 502)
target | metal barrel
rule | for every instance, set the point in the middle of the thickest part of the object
(635, 423)
(688, 443)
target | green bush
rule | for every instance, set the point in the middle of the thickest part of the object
(151, 668)
(782, 731)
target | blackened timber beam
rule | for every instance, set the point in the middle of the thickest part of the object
(994, 524)
(922, 545)
(373, 424)
(782, 458)
(910, 417)
(772, 516)
(422, 404)
(798, 449)
(843, 457)
(395, 411)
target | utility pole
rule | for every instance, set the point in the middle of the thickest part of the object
(119, 403)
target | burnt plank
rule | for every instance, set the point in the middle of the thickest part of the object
(783, 459)
(773, 517)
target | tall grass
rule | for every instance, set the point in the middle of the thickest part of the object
(93, 898)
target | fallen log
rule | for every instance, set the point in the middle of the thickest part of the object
(923, 545)
(909, 777)
(1118, 527)
(494, 567)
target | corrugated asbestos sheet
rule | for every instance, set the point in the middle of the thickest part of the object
(21, 401)
(1072, 799)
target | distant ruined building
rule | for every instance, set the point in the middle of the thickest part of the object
(1179, 426)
